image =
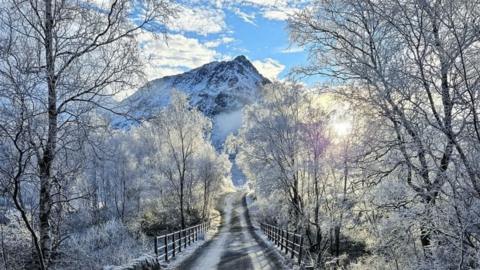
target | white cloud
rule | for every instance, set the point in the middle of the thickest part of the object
(202, 21)
(248, 18)
(217, 42)
(275, 9)
(174, 56)
(266, 3)
(279, 14)
(294, 49)
(269, 67)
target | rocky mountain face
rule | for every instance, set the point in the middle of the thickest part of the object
(214, 88)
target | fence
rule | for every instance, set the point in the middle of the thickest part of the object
(287, 241)
(172, 243)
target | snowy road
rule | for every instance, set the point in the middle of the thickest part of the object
(236, 246)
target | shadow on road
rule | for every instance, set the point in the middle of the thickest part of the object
(237, 246)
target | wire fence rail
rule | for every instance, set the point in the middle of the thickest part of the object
(170, 244)
(288, 242)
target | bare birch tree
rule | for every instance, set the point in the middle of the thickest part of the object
(415, 64)
(75, 54)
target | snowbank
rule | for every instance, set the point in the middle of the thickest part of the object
(146, 262)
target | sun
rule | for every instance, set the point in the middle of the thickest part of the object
(342, 129)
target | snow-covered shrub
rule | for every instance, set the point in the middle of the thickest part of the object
(111, 243)
(274, 209)
(144, 262)
(15, 249)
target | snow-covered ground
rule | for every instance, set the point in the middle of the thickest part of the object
(237, 245)
(214, 248)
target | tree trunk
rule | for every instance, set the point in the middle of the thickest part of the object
(45, 164)
(205, 200)
(182, 212)
(337, 240)
(425, 235)
(95, 190)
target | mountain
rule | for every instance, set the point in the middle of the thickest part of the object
(219, 89)
(214, 88)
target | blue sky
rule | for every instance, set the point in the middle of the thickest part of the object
(208, 31)
(266, 39)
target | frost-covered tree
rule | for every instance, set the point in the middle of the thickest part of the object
(213, 174)
(412, 67)
(290, 153)
(59, 61)
(182, 131)
(272, 144)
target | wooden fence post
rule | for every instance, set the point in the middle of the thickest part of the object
(300, 250)
(293, 245)
(282, 242)
(173, 243)
(155, 244)
(180, 241)
(179, 244)
(165, 240)
(277, 231)
(275, 234)
(270, 232)
(286, 243)
(185, 238)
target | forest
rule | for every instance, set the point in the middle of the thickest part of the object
(368, 148)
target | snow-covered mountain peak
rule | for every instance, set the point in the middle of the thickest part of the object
(215, 88)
